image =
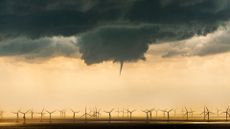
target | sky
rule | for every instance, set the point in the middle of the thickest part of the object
(61, 54)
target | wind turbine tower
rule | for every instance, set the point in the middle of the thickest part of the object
(226, 114)
(85, 114)
(147, 114)
(24, 116)
(50, 115)
(17, 115)
(74, 114)
(168, 113)
(130, 112)
(42, 113)
(110, 114)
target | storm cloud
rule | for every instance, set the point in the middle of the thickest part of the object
(213, 43)
(41, 48)
(115, 30)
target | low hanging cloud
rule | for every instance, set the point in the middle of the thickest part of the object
(106, 30)
(45, 47)
(213, 43)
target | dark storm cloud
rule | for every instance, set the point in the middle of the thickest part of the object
(41, 47)
(129, 43)
(117, 30)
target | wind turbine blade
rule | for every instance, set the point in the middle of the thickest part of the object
(121, 67)
(82, 115)
(186, 109)
(170, 110)
(43, 109)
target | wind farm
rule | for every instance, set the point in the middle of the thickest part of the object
(131, 116)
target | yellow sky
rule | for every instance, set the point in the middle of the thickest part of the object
(157, 82)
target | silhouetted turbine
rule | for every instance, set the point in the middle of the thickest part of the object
(168, 113)
(226, 113)
(151, 112)
(24, 116)
(42, 113)
(1, 114)
(207, 113)
(50, 115)
(74, 114)
(109, 113)
(85, 114)
(191, 112)
(17, 115)
(123, 113)
(174, 112)
(187, 113)
(118, 112)
(31, 114)
(95, 113)
(98, 113)
(156, 111)
(218, 112)
(147, 114)
(130, 112)
(204, 112)
(62, 113)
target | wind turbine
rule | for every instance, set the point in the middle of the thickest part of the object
(98, 113)
(1, 114)
(191, 111)
(226, 114)
(130, 112)
(147, 114)
(186, 113)
(208, 113)
(42, 113)
(151, 112)
(109, 113)
(164, 112)
(62, 113)
(85, 114)
(95, 113)
(31, 114)
(50, 115)
(168, 113)
(218, 112)
(123, 113)
(204, 112)
(174, 111)
(17, 115)
(24, 116)
(74, 114)
(118, 112)
(156, 111)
